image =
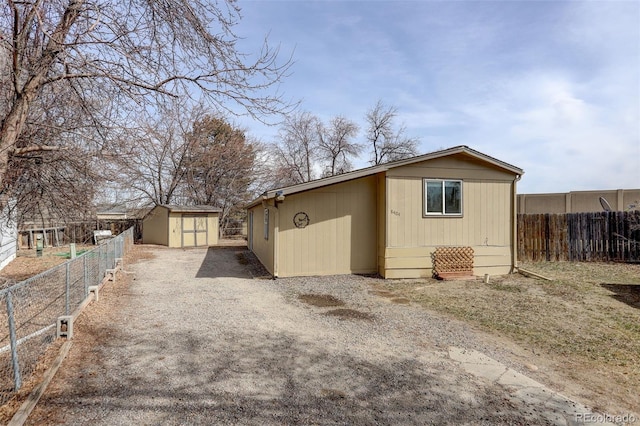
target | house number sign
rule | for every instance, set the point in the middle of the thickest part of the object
(301, 220)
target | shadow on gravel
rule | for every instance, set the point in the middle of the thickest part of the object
(250, 378)
(223, 262)
(625, 293)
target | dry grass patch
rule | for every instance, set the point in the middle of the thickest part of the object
(28, 263)
(137, 253)
(586, 320)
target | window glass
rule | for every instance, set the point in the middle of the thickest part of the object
(266, 224)
(442, 197)
(452, 197)
(434, 197)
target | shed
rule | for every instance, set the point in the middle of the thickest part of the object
(181, 226)
(390, 219)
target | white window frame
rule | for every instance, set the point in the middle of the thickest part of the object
(441, 213)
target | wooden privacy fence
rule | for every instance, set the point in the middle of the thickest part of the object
(600, 236)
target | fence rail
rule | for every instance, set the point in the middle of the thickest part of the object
(601, 236)
(77, 232)
(29, 310)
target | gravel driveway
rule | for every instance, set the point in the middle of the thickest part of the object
(196, 340)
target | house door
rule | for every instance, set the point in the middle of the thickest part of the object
(194, 231)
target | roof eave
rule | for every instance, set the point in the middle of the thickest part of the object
(356, 174)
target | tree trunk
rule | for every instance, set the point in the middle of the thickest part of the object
(24, 96)
(11, 128)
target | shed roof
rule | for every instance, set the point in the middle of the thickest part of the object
(191, 209)
(461, 149)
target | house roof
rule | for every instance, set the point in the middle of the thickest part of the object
(191, 209)
(462, 149)
(120, 210)
(111, 210)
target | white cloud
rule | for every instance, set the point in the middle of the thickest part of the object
(563, 142)
(553, 87)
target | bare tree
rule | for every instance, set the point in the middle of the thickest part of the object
(53, 188)
(153, 170)
(53, 174)
(188, 157)
(388, 143)
(265, 173)
(126, 53)
(336, 145)
(297, 149)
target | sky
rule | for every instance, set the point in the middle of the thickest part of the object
(552, 87)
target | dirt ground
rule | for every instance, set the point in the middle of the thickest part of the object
(300, 351)
(580, 330)
(28, 264)
(187, 337)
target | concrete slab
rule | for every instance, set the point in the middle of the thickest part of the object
(517, 380)
(526, 392)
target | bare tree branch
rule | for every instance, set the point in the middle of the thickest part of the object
(297, 148)
(336, 145)
(387, 142)
(129, 53)
(36, 148)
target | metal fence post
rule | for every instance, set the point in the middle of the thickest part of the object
(67, 289)
(84, 275)
(14, 343)
(101, 263)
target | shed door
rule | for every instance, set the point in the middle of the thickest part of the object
(194, 230)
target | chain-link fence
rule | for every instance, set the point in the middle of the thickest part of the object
(29, 310)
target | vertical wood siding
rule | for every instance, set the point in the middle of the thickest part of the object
(155, 227)
(486, 223)
(381, 205)
(376, 224)
(341, 237)
(263, 249)
(182, 226)
(485, 220)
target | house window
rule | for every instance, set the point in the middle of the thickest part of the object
(442, 197)
(266, 224)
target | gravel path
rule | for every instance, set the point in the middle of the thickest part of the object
(197, 341)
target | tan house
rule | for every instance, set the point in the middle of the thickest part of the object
(181, 226)
(389, 219)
